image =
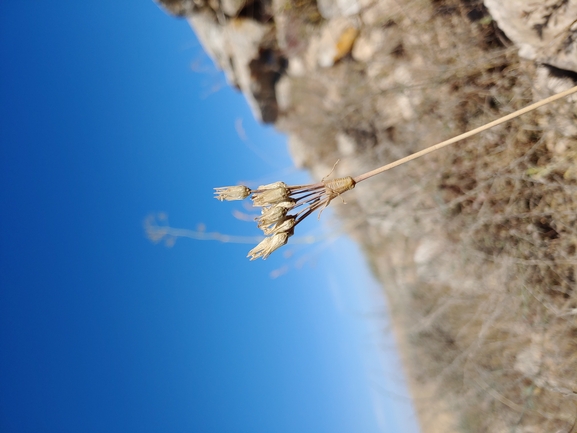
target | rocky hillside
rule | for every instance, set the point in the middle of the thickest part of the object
(476, 244)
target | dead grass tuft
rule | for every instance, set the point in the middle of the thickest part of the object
(477, 243)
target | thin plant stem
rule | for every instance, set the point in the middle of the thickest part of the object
(475, 131)
(277, 199)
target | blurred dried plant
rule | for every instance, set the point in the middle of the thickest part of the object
(277, 199)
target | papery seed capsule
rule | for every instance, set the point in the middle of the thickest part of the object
(284, 226)
(286, 204)
(268, 246)
(273, 185)
(266, 196)
(229, 193)
(271, 215)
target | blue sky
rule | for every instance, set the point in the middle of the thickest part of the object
(111, 113)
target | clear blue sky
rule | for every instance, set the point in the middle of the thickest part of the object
(104, 120)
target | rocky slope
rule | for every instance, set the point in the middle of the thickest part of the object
(475, 244)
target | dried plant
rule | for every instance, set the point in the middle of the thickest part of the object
(277, 200)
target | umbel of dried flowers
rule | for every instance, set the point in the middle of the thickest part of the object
(283, 207)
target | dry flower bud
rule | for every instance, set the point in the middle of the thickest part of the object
(229, 193)
(273, 185)
(268, 246)
(270, 194)
(271, 215)
(286, 204)
(284, 226)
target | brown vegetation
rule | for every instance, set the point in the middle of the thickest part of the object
(476, 244)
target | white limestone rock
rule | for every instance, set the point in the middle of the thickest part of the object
(336, 41)
(345, 144)
(338, 8)
(296, 67)
(301, 154)
(233, 7)
(544, 31)
(239, 48)
(367, 44)
(283, 93)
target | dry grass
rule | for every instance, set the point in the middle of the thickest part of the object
(510, 204)
(476, 244)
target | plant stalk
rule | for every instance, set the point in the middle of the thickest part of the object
(475, 131)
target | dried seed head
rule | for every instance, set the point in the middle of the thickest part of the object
(268, 246)
(277, 199)
(267, 195)
(284, 226)
(229, 193)
(273, 185)
(286, 204)
(271, 215)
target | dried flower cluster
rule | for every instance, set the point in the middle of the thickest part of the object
(277, 201)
